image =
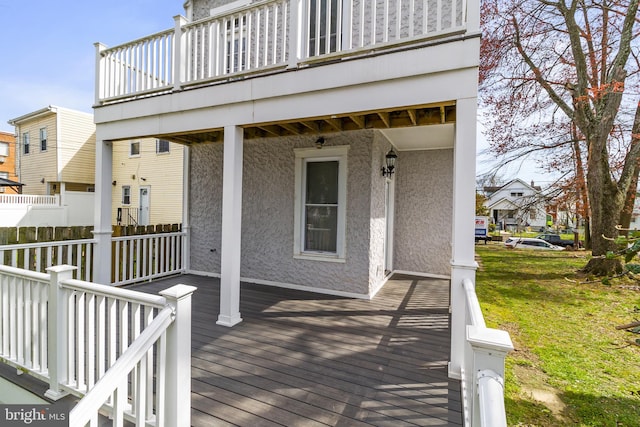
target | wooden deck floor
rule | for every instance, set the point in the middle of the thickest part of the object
(304, 359)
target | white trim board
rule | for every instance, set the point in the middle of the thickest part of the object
(333, 292)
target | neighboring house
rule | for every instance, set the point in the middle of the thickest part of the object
(57, 151)
(289, 119)
(8, 162)
(56, 157)
(147, 182)
(516, 205)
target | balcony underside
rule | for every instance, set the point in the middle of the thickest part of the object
(442, 114)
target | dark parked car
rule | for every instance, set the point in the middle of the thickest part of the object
(555, 239)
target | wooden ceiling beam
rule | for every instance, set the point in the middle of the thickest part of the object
(335, 124)
(271, 130)
(360, 121)
(386, 118)
(311, 125)
(291, 127)
(413, 116)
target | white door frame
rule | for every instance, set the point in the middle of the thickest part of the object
(389, 209)
(146, 197)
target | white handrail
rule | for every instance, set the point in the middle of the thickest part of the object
(86, 410)
(18, 272)
(473, 305)
(45, 244)
(114, 292)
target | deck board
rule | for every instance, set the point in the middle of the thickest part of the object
(306, 359)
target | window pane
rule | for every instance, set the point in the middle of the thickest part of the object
(43, 139)
(322, 183)
(126, 195)
(322, 228)
(162, 146)
(4, 149)
(135, 148)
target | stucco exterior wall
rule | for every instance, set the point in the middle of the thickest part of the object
(202, 8)
(268, 213)
(422, 233)
(205, 206)
(377, 220)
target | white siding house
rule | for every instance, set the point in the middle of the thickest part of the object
(147, 182)
(55, 157)
(516, 205)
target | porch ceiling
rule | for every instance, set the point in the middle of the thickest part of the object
(408, 128)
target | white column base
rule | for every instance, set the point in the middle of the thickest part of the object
(50, 394)
(229, 321)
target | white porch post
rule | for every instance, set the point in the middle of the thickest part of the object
(186, 224)
(177, 402)
(57, 331)
(231, 227)
(463, 264)
(102, 229)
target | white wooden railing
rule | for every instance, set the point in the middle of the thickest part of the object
(29, 199)
(483, 368)
(146, 257)
(39, 256)
(135, 259)
(267, 35)
(125, 353)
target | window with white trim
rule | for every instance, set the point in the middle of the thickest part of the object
(321, 196)
(43, 139)
(134, 149)
(126, 195)
(4, 149)
(162, 146)
(25, 142)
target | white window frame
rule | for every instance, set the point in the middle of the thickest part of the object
(158, 146)
(326, 154)
(127, 189)
(26, 144)
(4, 149)
(43, 139)
(131, 145)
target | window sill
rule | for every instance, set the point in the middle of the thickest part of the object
(319, 257)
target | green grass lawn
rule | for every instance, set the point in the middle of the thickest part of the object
(570, 365)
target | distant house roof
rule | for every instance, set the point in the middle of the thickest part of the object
(491, 190)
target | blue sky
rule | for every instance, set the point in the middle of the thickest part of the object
(48, 58)
(47, 53)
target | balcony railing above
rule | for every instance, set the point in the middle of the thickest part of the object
(269, 35)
